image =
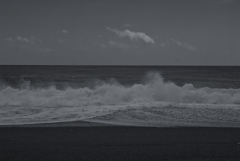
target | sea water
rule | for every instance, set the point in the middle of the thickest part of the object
(126, 95)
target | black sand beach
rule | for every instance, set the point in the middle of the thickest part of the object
(102, 142)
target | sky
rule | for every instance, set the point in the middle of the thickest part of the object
(120, 32)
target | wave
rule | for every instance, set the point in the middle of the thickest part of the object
(155, 89)
(153, 101)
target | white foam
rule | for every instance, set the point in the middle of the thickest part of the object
(30, 105)
(160, 114)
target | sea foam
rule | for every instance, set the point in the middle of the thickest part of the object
(34, 105)
(113, 93)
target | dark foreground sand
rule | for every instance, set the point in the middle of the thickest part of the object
(99, 142)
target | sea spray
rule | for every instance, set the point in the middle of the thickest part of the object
(155, 100)
(114, 93)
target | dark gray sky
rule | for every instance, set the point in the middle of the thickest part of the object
(120, 32)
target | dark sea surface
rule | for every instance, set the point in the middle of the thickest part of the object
(163, 95)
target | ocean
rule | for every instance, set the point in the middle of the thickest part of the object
(156, 96)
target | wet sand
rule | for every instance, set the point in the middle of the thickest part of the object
(89, 141)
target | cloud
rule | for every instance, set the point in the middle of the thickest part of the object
(118, 45)
(187, 46)
(22, 39)
(180, 44)
(134, 36)
(30, 44)
(65, 31)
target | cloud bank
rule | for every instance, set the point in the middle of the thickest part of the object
(134, 36)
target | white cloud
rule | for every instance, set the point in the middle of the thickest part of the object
(187, 46)
(134, 36)
(118, 45)
(180, 44)
(65, 31)
(26, 40)
(22, 39)
(30, 44)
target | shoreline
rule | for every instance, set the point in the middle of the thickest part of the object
(105, 123)
(81, 123)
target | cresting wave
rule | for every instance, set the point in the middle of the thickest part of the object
(114, 94)
(155, 103)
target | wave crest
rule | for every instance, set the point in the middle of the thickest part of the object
(154, 90)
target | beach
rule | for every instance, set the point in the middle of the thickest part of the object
(95, 141)
(119, 113)
(117, 80)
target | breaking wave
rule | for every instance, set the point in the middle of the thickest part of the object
(113, 93)
(156, 100)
